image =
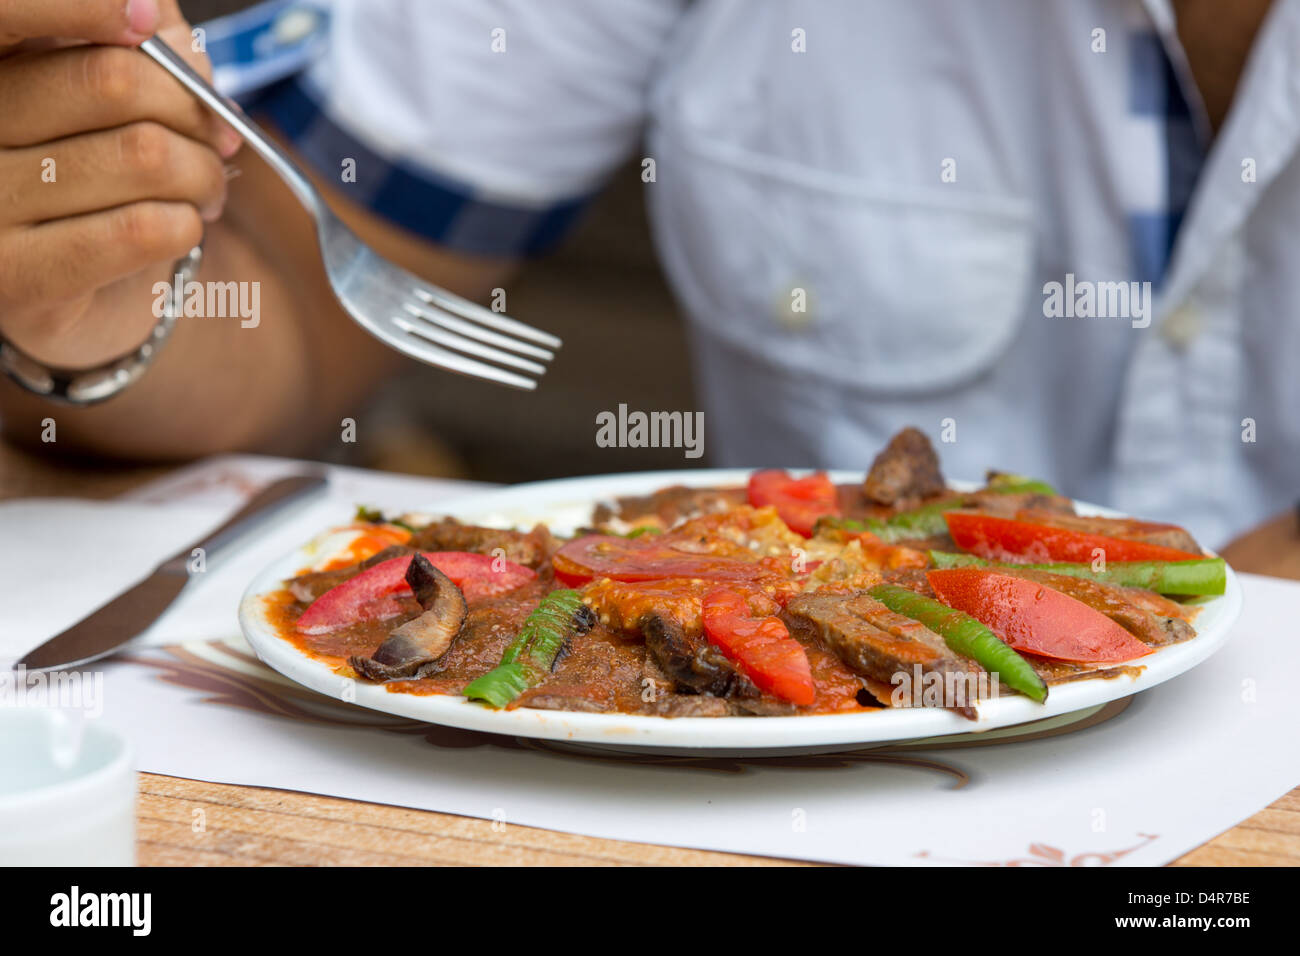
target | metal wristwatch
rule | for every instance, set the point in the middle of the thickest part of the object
(92, 385)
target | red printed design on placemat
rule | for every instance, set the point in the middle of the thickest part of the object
(1043, 854)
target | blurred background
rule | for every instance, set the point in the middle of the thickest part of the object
(602, 292)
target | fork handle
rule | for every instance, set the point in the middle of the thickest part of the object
(232, 113)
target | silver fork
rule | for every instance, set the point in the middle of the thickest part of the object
(400, 309)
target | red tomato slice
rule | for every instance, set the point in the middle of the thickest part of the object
(375, 593)
(645, 559)
(1005, 539)
(1036, 619)
(761, 647)
(799, 501)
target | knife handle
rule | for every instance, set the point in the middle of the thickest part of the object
(270, 499)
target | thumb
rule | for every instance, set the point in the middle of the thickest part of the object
(98, 21)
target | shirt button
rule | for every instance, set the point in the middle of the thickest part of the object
(1181, 326)
(295, 25)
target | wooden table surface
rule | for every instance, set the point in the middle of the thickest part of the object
(252, 826)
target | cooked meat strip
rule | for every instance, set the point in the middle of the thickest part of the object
(669, 506)
(529, 548)
(413, 648)
(907, 469)
(653, 676)
(694, 665)
(870, 638)
(764, 705)
(553, 700)
(1115, 602)
(877, 643)
(308, 587)
(601, 671)
(663, 701)
(913, 579)
(658, 699)
(1177, 538)
(691, 705)
(1062, 672)
(1009, 504)
(1159, 605)
(1129, 529)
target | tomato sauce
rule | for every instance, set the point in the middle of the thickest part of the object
(724, 543)
(603, 670)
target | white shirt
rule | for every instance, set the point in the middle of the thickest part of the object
(827, 172)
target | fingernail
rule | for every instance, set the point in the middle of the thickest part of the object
(141, 18)
(212, 212)
(230, 142)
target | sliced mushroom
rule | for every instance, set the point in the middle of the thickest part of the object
(413, 649)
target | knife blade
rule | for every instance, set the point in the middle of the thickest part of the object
(122, 618)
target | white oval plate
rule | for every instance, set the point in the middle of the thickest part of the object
(567, 504)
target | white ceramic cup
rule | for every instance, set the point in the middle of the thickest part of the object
(67, 790)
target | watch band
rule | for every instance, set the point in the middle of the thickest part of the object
(93, 385)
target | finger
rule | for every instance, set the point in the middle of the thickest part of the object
(177, 33)
(86, 88)
(110, 168)
(67, 258)
(170, 16)
(99, 21)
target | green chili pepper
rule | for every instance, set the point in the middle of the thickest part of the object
(966, 636)
(1008, 484)
(924, 522)
(532, 653)
(375, 516)
(851, 525)
(1194, 576)
(500, 685)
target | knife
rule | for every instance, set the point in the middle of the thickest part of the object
(125, 616)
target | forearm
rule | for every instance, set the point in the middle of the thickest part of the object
(215, 386)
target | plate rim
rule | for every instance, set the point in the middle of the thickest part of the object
(695, 733)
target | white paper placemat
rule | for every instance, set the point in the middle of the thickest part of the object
(1180, 764)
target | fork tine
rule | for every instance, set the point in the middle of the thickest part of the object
(477, 313)
(451, 341)
(423, 350)
(460, 326)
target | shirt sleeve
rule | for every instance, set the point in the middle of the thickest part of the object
(484, 125)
